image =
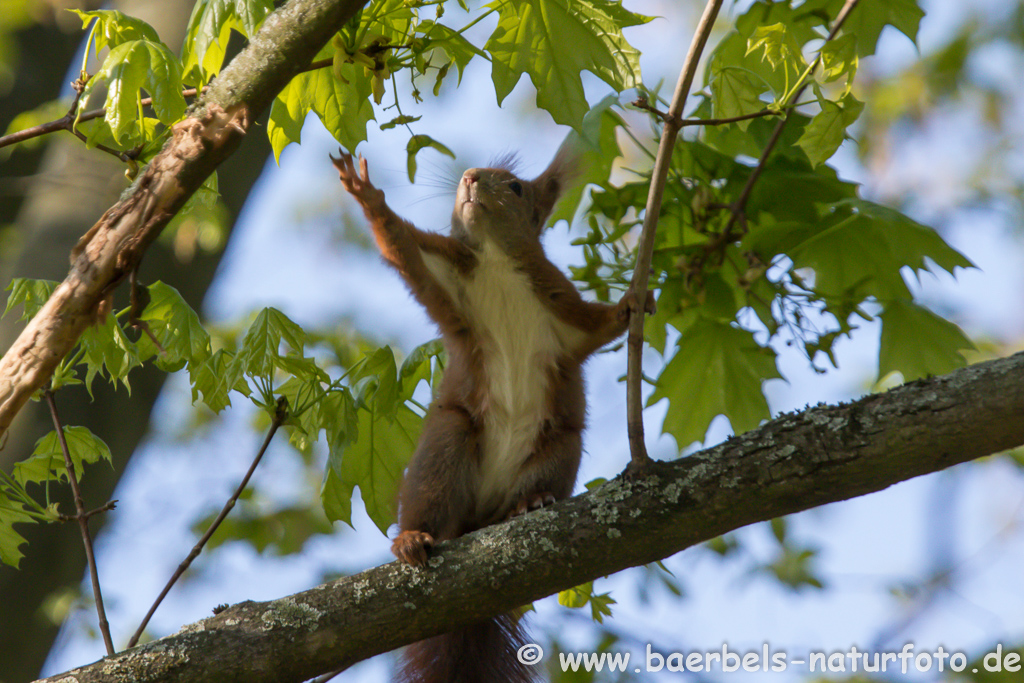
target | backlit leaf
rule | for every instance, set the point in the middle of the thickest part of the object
(717, 370)
(129, 68)
(47, 459)
(917, 343)
(532, 38)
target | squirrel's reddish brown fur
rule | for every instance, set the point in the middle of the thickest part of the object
(504, 433)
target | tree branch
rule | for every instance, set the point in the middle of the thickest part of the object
(645, 247)
(795, 462)
(112, 248)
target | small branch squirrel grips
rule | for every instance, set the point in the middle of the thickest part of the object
(504, 434)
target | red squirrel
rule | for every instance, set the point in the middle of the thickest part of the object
(504, 434)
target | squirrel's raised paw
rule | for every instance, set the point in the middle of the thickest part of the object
(413, 547)
(356, 182)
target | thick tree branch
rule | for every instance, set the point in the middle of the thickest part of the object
(113, 247)
(795, 462)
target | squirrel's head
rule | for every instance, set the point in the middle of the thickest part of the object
(496, 203)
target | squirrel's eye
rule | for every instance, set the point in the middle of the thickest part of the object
(516, 187)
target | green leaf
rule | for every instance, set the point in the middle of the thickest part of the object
(203, 198)
(778, 47)
(374, 463)
(343, 105)
(30, 293)
(827, 130)
(336, 497)
(717, 370)
(868, 19)
(532, 37)
(114, 28)
(418, 142)
(735, 92)
(786, 177)
(47, 459)
(418, 366)
(214, 378)
(260, 352)
(577, 596)
(883, 240)
(209, 28)
(917, 343)
(793, 568)
(839, 58)
(597, 147)
(129, 68)
(176, 327)
(379, 388)
(108, 351)
(460, 50)
(10, 540)
(601, 606)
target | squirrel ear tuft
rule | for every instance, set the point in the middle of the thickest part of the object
(553, 182)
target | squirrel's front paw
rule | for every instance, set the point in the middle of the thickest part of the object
(356, 182)
(629, 304)
(413, 547)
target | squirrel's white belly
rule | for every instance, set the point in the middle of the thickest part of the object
(520, 347)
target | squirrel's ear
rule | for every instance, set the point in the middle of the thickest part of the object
(553, 182)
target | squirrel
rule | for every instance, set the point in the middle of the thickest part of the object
(503, 436)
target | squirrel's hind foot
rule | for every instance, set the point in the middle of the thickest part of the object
(413, 547)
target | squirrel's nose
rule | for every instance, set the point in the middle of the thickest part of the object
(471, 176)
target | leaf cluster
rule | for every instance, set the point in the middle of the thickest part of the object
(752, 257)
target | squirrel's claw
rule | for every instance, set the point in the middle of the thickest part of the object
(413, 547)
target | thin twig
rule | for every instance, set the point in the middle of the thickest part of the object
(83, 524)
(740, 204)
(106, 507)
(645, 249)
(642, 103)
(279, 417)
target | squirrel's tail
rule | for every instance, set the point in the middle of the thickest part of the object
(485, 652)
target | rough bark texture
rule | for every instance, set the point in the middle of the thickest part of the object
(795, 462)
(287, 42)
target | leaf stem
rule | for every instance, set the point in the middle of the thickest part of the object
(645, 249)
(83, 524)
(279, 417)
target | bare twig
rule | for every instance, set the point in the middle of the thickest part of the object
(643, 103)
(279, 417)
(106, 507)
(645, 249)
(740, 204)
(83, 524)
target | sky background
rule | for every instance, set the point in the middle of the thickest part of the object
(289, 252)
